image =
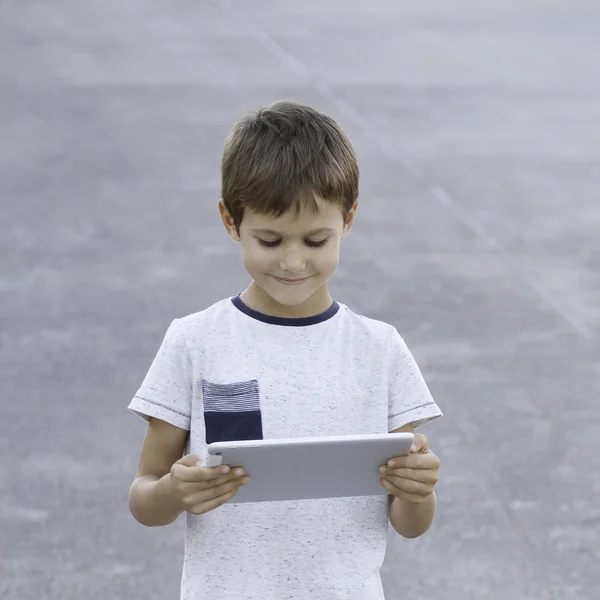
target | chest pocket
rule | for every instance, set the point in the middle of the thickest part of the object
(232, 411)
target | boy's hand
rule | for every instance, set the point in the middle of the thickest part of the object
(202, 489)
(413, 477)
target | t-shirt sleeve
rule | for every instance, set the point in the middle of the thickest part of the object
(410, 400)
(166, 392)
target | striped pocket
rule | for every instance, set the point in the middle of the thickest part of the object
(232, 411)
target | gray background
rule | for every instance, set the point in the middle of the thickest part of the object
(478, 130)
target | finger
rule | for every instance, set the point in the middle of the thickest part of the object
(420, 443)
(192, 487)
(188, 473)
(398, 493)
(189, 460)
(224, 473)
(420, 475)
(409, 486)
(428, 460)
(218, 490)
(208, 505)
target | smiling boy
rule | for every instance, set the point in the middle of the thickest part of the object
(283, 359)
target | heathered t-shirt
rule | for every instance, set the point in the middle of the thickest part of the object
(231, 373)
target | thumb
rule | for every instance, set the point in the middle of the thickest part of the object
(420, 444)
(189, 460)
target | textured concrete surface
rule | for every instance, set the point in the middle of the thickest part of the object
(478, 129)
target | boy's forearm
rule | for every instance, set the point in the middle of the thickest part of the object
(412, 520)
(151, 502)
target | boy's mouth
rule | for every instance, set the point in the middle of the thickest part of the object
(290, 281)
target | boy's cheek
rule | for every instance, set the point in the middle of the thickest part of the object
(254, 263)
(328, 264)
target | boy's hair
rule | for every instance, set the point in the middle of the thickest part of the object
(281, 156)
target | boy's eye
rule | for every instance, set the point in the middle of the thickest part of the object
(316, 244)
(269, 244)
(310, 243)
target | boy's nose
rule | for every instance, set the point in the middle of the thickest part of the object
(292, 262)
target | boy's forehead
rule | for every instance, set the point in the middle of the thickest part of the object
(326, 218)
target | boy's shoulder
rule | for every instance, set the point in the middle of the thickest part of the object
(368, 325)
(209, 316)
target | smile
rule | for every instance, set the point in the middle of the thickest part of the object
(291, 281)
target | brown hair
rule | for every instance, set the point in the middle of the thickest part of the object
(281, 156)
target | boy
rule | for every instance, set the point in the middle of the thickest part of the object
(282, 360)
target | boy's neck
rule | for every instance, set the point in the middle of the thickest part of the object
(256, 298)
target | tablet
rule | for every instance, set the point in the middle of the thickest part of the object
(308, 468)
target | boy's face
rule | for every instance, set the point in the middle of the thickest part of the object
(290, 258)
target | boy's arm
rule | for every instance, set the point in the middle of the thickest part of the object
(408, 519)
(411, 520)
(150, 498)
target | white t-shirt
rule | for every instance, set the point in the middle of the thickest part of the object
(230, 372)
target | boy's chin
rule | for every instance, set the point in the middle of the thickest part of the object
(289, 299)
(297, 298)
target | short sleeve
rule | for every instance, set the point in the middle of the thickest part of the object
(166, 392)
(409, 398)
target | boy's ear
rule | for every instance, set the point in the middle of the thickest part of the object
(350, 219)
(228, 222)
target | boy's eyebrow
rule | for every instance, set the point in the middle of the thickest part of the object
(313, 232)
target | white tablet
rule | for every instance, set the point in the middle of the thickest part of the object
(303, 468)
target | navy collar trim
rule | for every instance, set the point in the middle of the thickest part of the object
(286, 321)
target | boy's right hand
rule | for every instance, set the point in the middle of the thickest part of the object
(202, 489)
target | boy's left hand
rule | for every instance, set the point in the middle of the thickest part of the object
(413, 477)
